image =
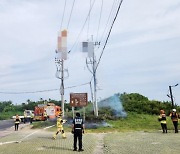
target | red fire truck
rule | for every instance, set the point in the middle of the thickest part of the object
(44, 111)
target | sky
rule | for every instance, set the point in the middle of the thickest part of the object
(142, 54)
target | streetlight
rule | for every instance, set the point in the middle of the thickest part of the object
(171, 95)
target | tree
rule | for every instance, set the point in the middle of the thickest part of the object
(135, 102)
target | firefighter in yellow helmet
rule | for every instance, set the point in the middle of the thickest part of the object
(17, 120)
(59, 124)
(162, 119)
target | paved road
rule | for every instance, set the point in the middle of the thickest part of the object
(4, 124)
(40, 141)
(7, 127)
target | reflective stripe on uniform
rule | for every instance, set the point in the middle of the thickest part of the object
(78, 121)
(163, 121)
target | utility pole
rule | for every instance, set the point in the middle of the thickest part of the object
(171, 95)
(60, 75)
(59, 60)
(95, 85)
(92, 61)
(62, 86)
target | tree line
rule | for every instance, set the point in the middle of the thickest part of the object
(132, 102)
(135, 102)
(8, 109)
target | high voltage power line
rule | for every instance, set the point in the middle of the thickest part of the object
(99, 20)
(108, 20)
(109, 34)
(82, 27)
(40, 91)
(63, 14)
(70, 14)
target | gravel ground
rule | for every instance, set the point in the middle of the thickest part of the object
(40, 141)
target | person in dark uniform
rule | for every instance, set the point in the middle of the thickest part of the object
(78, 130)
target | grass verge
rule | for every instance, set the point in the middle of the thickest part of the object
(133, 122)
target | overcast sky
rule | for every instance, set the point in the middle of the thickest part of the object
(142, 54)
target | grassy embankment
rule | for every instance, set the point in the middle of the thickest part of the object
(8, 115)
(133, 122)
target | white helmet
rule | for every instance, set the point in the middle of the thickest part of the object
(174, 110)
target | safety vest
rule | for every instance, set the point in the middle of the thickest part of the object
(17, 120)
(162, 118)
(174, 116)
(78, 123)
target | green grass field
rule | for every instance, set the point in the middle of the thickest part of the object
(136, 121)
(133, 122)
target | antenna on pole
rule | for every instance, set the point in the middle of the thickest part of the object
(61, 55)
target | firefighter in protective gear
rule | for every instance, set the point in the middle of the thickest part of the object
(60, 123)
(45, 115)
(174, 117)
(25, 117)
(162, 119)
(31, 118)
(17, 120)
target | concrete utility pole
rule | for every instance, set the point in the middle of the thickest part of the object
(95, 86)
(62, 86)
(59, 60)
(60, 75)
(92, 61)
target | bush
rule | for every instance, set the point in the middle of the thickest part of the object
(137, 103)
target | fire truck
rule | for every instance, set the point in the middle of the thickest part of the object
(43, 112)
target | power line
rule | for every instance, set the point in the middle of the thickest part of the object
(63, 14)
(40, 91)
(70, 14)
(109, 34)
(99, 21)
(77, 85)
(108, 20)
(28, 92)
(88, 20)
(82, 27)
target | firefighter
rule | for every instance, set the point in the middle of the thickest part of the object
(60, 123)
(17, 120)
(78, 130)
(174, 118)
(162, 119)
(25, 116)
(31, 118)
(45, 115)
